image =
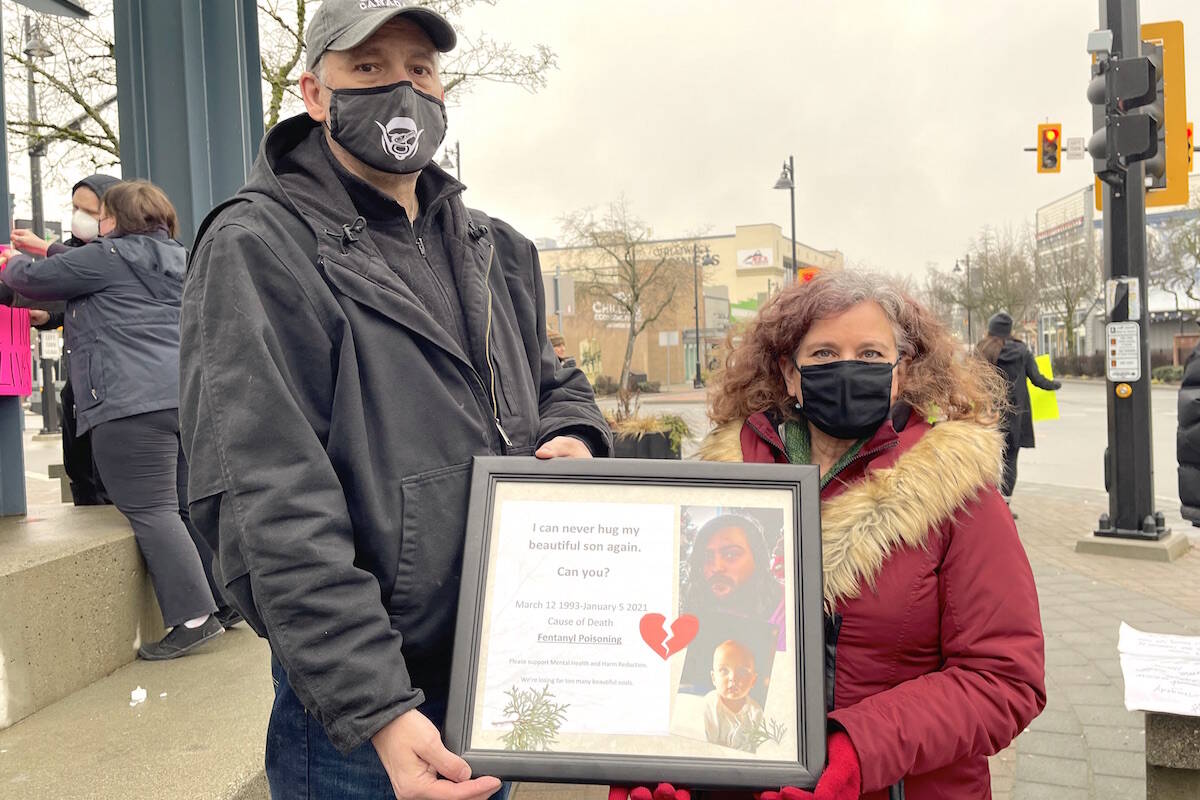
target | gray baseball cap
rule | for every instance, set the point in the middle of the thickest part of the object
(345, 24)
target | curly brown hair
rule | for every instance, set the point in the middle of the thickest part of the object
(940, 380)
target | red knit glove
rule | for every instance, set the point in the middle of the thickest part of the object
(841, 780)
(664, 791)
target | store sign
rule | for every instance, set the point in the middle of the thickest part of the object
(756, 258)
(613, 315)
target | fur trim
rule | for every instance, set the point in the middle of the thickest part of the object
(723, 443)
(895, 507)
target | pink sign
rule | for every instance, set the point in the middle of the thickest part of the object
(16, 361)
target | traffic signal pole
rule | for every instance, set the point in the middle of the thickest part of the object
(1130, 467)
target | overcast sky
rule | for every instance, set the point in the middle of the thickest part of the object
(907, 118)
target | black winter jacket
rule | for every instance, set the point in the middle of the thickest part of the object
(330, 423)
(122, 320)
(1016, 363)
(1187, 438)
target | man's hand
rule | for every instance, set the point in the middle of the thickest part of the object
(563, 447)
(29, 242)
(413, 755)
(38, 317)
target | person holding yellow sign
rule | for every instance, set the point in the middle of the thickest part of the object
(1015, 362)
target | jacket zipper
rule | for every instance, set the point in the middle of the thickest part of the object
(487, 348)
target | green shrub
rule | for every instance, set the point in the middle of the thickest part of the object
(1167, 374)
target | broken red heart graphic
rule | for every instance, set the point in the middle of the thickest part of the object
(683, 630)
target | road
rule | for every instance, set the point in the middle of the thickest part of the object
(1070, 451)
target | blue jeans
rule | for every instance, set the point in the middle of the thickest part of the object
(302, 764)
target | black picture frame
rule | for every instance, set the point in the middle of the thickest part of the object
(595, 768)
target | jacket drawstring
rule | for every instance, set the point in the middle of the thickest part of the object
(348, 234)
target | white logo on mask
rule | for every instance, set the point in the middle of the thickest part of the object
(400, 137)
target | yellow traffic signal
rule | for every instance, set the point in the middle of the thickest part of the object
(1171, 189)
(1049, 147)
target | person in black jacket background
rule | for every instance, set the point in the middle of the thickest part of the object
(1015, 362)
(123, 294)
(87, 488)
(1187, 439)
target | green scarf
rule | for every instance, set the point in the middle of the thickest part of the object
(797, 443)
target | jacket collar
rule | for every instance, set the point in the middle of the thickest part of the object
(292, 169)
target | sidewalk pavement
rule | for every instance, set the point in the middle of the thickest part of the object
(1085, 745)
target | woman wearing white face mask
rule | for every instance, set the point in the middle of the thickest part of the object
(86, 487)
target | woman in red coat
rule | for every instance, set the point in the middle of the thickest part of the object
(939, 659)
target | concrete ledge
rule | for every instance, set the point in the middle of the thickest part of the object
(75, 604)
(1168, 548)
(1172, 741)
(204, 739)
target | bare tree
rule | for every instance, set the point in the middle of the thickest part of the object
(1068, 278)
(1003, 274)
(478, 58)
(931, 293)
(1173, 261)
(627, 276)
(76, 84)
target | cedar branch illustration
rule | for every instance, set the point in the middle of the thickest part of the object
(535, 719)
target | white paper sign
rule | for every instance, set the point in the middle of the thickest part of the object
(566, 615)
(1075, 147)
(1162, 671)
(1124, 360)
(50, 344)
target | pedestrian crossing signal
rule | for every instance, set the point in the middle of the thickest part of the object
(1050, 147)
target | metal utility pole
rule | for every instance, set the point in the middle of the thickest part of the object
(1123, 81)
(787, 180)
(36, 48)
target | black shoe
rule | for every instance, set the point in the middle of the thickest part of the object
(228, 616)
(180, 640)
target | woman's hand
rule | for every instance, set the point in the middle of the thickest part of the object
(664, 791)
(29, 242)
(38, 317)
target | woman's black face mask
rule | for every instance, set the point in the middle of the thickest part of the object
(846, 399)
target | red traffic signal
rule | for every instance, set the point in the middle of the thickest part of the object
(1049, 147)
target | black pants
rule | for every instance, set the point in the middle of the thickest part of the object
(1012, 449)
(142, 464)
(86, 487)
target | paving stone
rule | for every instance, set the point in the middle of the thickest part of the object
(1045, 743)
(1110, 787)
(1113, 716)
(1046, 791)
(1082, 675)
(1118, 762)
(1066, 657)
(1057, 722)
(1101, 737)
(1094, 695)
(1052, 770)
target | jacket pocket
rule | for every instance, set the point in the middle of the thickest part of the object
(229, 568)
(89, 377)
(425, 595)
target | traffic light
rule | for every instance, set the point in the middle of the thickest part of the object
(1050, 147)
(1167, 171)
(1191, 148)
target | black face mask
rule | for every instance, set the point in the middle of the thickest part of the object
(394, 128)
(846, 399)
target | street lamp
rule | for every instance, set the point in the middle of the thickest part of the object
(698, 381)
(787, 180)
(36, 48)
(446, 163)
(958, 270)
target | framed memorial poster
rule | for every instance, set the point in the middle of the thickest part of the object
(633, 621)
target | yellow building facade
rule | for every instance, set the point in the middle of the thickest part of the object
(740, 271)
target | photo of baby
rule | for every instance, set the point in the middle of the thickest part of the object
(724, 683)
(731, 715)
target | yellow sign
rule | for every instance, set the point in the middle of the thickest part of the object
(1043, 404)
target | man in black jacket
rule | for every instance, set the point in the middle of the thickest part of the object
(1187, 439)
(351, 337)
